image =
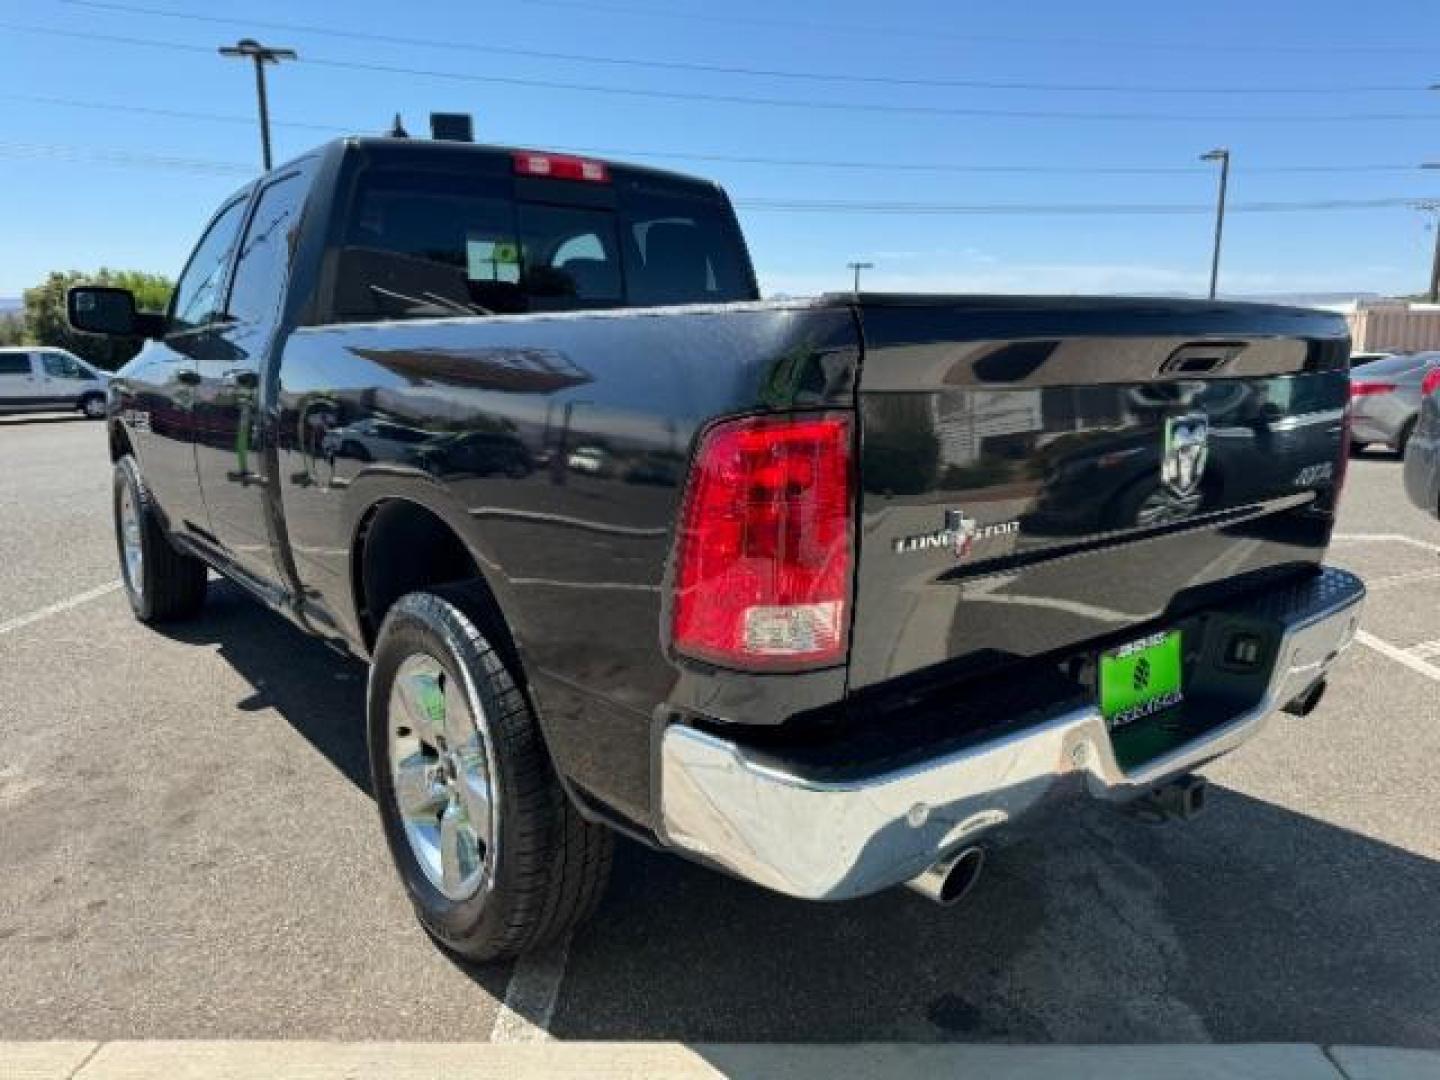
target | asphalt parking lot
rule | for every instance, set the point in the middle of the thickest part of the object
(189, 850)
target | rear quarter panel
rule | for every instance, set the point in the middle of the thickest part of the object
(485, 420)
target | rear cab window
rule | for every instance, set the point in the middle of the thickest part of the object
(465, 236)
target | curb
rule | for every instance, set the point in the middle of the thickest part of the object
(623, 1061)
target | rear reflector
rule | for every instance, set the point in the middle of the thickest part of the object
(560, 167)
(1431, 382)
(766, 547)
(1367, 389)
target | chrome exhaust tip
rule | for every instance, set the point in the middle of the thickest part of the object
(948, 880)
(1307, 702)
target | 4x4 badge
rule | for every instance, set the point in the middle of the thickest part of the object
(959, 535)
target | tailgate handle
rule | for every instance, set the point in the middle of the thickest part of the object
(1201, 357)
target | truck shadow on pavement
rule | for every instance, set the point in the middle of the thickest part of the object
(1250, 924)
(318, 692)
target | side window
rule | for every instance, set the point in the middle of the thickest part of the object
(197, 294)
(17, 363)
(61, 366)
(265, 253)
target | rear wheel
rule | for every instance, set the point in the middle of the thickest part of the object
(162, 584)
(495, 858)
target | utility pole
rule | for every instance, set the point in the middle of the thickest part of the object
(857, 267)
(1435, 260)
(1434, 207)
(1221, 155)
(249, 48)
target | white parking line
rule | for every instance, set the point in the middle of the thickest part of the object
(1426, 650)
(530, 999)
(57, 607)
(1399, 655)
(1401, 579)
(1399, 538)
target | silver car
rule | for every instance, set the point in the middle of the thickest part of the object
(1385, 399)
(1360, 359)
(1422, 453)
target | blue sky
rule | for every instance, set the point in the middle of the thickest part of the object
(67, 202)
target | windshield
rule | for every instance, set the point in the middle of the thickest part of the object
(427, 245)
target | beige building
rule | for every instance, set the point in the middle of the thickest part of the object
(1394, 326)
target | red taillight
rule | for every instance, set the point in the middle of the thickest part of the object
(1367, 389)
(560, 167)
(765, 554)
(1431, 382)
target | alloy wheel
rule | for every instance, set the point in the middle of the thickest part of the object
(131, 545)
(444, 783)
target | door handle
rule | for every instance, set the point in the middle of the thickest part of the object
(245, 378)
(187, 376)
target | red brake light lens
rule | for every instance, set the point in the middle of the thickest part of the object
(1431, 382)
(1367, 389)
(766, 544)
(560, 167)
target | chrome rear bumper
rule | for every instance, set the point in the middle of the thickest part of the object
(828, 840)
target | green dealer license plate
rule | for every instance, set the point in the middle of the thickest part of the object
(1140, 679)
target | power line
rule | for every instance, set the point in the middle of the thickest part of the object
(172, 114)
(1076, 209)
(101, 155)
(893, 165)
(932, 34)
(901, 165)
(752, 100)
(729, 69)
(104, 156)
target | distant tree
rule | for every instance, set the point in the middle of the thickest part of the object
(12, 329)
(45, 322)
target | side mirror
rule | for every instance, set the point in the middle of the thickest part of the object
(102, 309)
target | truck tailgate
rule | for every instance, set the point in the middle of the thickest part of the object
(1041, 473)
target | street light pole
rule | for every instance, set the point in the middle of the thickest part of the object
(249, 48)
(1221, 155)
(857, 267)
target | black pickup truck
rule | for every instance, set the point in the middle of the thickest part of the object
(828, 594)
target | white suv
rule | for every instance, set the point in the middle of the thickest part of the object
(39, 378)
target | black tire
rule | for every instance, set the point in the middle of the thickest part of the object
(548, 867)
(1403, 439)
(93, 406)
(171, 584)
